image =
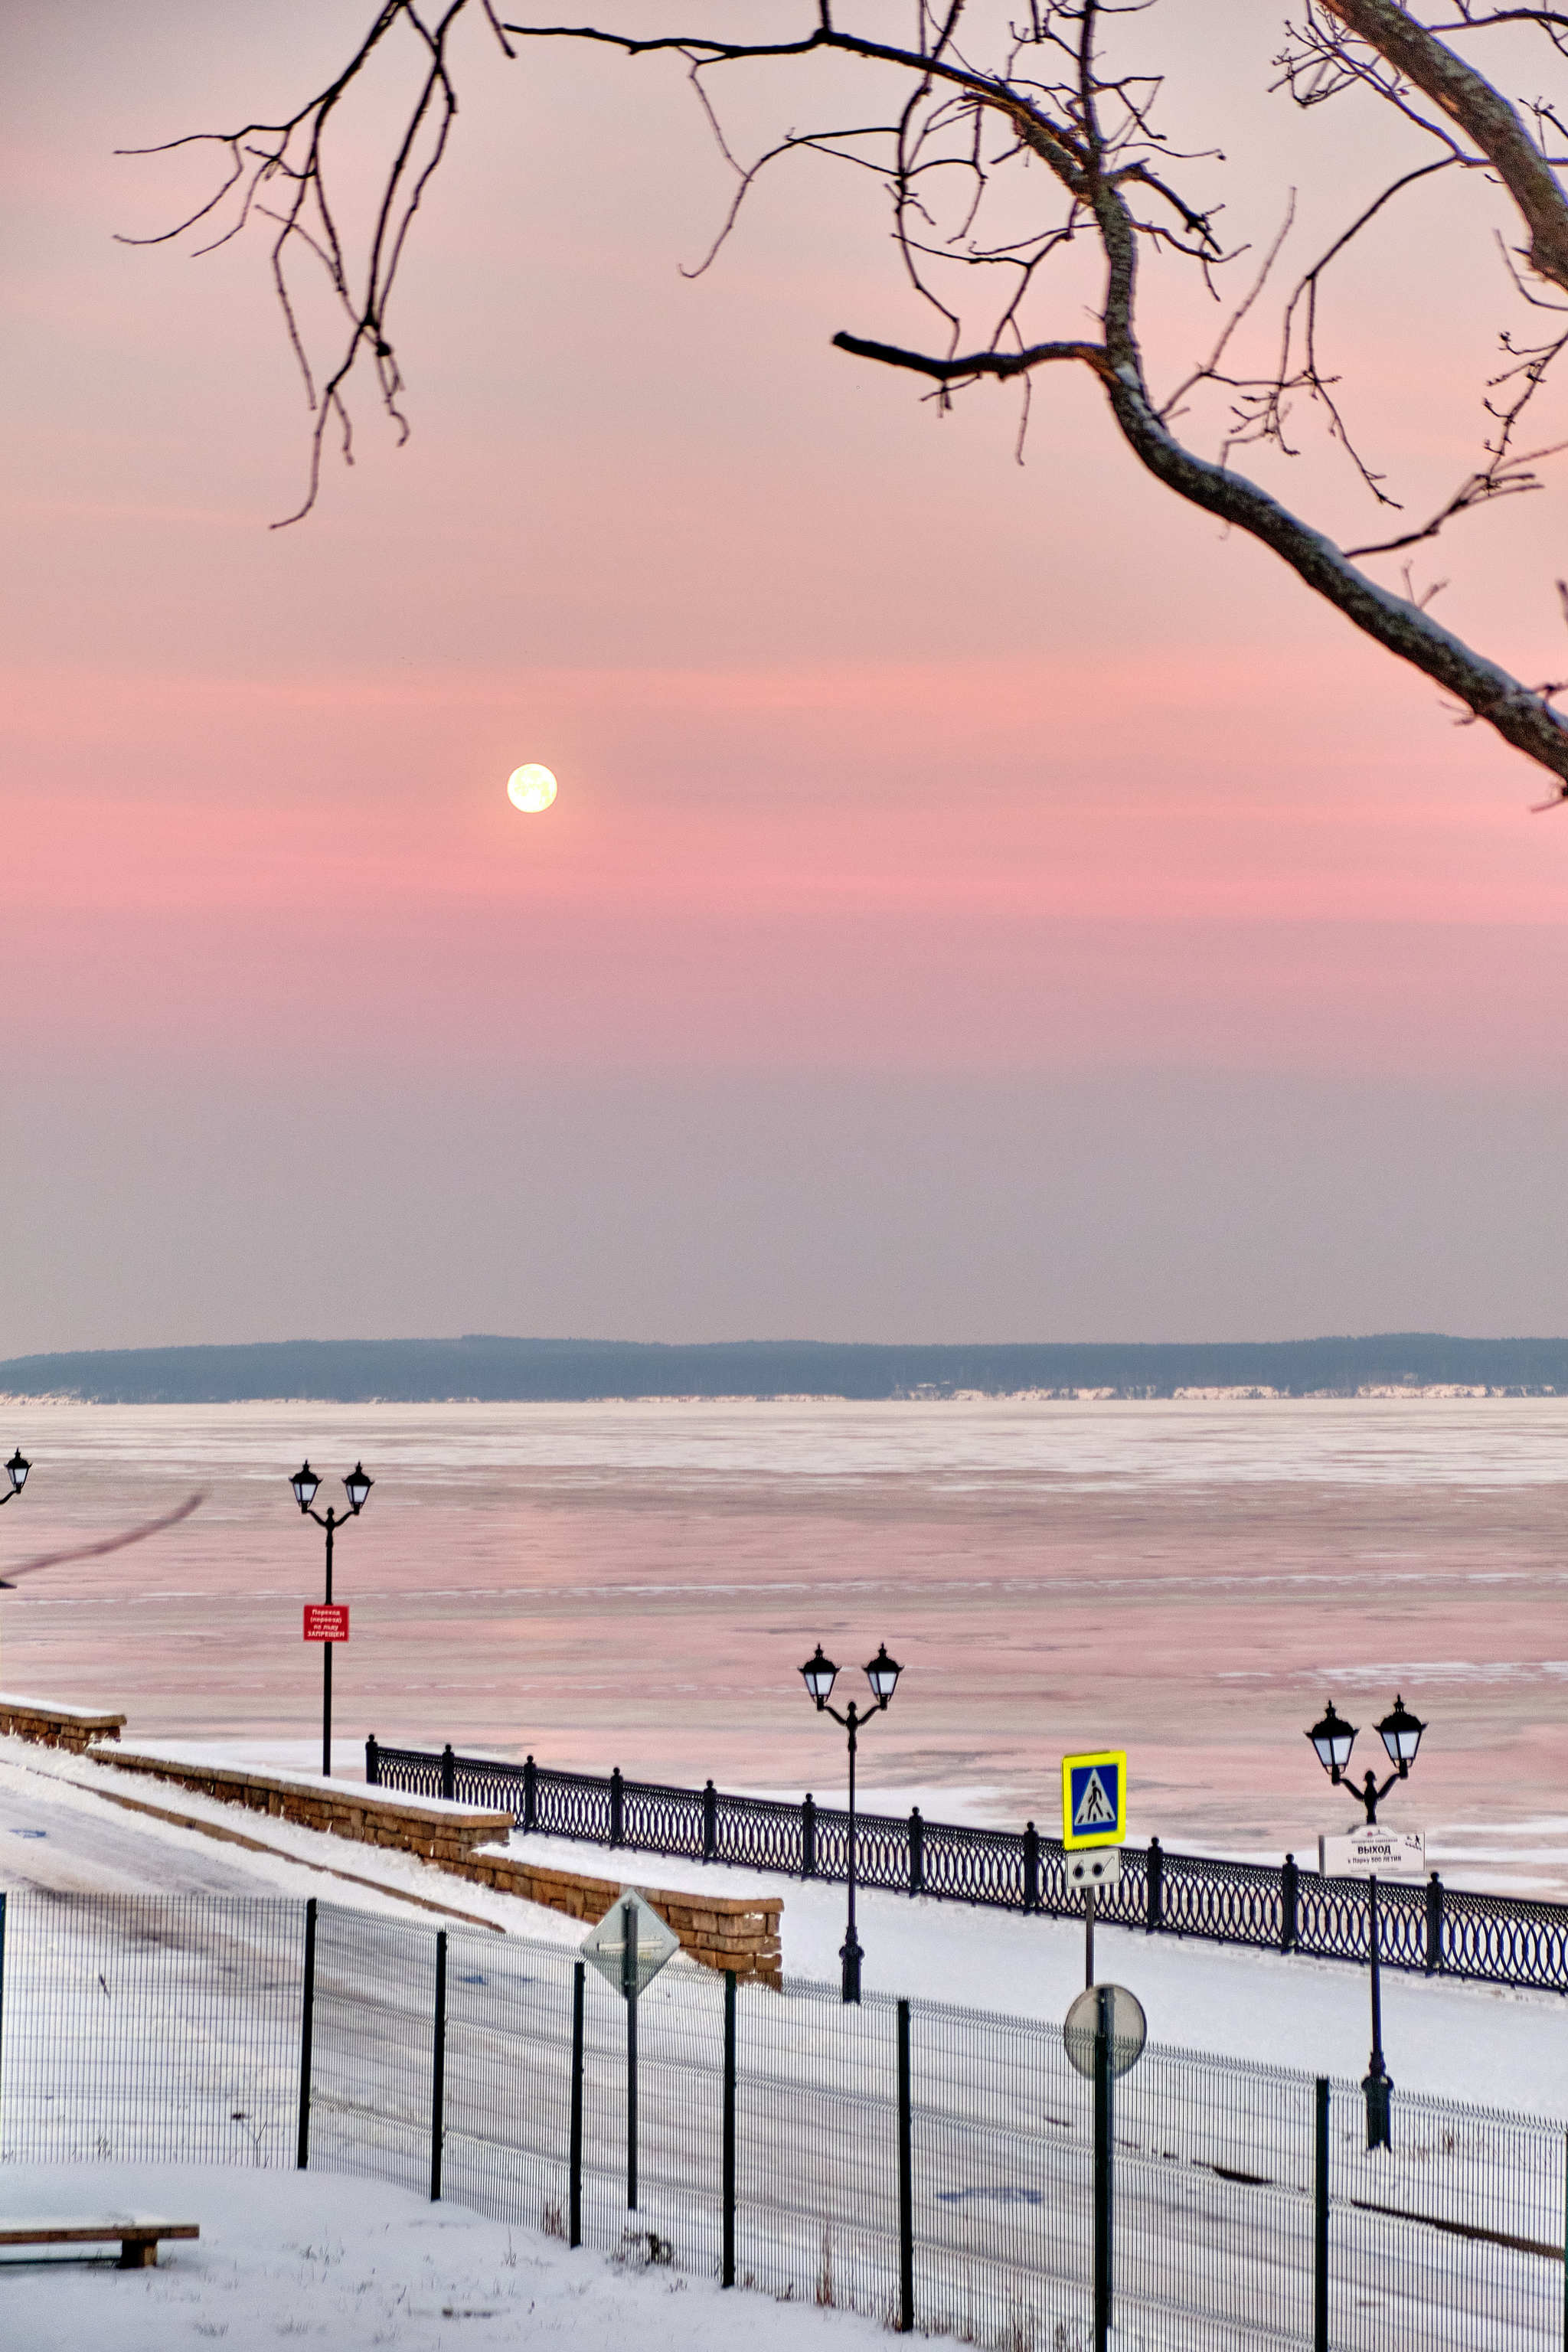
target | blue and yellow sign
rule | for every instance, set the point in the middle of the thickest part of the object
(1094, 1799)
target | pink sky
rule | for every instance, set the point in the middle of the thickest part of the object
(1018, 802)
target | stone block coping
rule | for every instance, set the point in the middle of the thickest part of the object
(50, 1725)
(433, 1827)
(723, 1931)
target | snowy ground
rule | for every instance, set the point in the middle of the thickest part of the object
(1477, 2043)
(286, 2257)
(1183, 2193)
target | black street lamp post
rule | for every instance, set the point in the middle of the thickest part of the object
(1332, 1738)
(883, 1674)
(304, 1483)
(16, 1470)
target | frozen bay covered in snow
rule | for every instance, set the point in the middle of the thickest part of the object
(637, 1583)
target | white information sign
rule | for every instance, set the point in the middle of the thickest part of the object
(1095, 1866)
(1373, 1854)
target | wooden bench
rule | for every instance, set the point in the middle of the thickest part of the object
(138, 2235)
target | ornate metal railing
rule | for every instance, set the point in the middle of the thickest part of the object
(1430, 1929)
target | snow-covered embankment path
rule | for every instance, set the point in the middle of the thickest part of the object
(1477, 2042)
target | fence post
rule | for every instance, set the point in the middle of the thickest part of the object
(916, 1852)
(575, 2194)
(1433, 1925)
(1320, 2220)
(1290, 1887)
(1154, 1915)
(307, 2036)
(906, 2182)
(616, 1805)
(1031, 1867)
(808, 1837)
(1104, 2192)
(629, 1994)
(438, 2066)
(1565, 2239)
(2, 1983)
(710, 1822)
(727, 2276)
(372, 1762)
(529, 1794)
(448, 1772)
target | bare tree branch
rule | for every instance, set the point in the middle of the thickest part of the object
(1481, 112)
(973, 363)
(1504, 482)
(980, 102)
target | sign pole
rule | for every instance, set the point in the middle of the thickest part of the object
(1094, 1823)
(1104, 2146)
(629, 1991)
(327, 1670)
(1104, 2036)
(628, 1947)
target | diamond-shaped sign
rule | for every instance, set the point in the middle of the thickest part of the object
(629, 1962)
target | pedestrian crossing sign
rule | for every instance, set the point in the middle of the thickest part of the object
(1094, 1799)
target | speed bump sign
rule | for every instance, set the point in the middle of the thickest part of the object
(1094, 1799)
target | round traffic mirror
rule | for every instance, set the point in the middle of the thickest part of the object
(1114, 2011)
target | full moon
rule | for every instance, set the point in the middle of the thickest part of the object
(531, 789)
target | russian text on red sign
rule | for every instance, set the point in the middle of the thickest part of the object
(326, 1621)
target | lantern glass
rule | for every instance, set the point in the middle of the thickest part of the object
(883, 1674)
(1400, 1732)
(358, 1486)
(1332, 1738)
(16, 1470)
(304, 1483)
(819, 1674)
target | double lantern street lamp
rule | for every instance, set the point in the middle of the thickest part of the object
(357, 1485)
(1332, 1738)
(819, 1674)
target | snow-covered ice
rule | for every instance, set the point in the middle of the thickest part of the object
(636, 1584)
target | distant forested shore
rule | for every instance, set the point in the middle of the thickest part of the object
(483, 1369)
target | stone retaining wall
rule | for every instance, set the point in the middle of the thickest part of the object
(722, 1931)
(38, 1719)
(430, 1827)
